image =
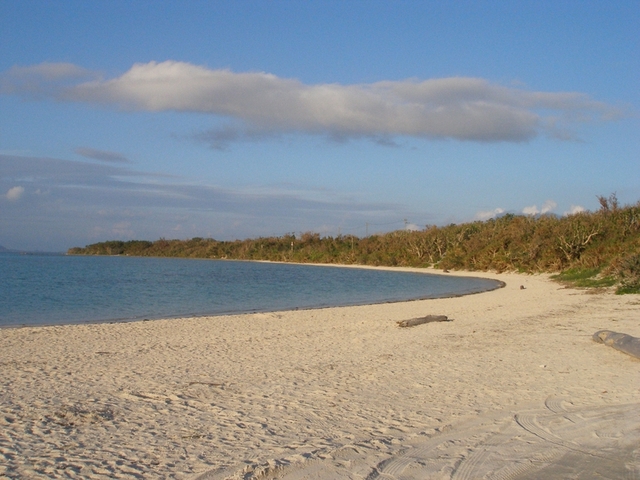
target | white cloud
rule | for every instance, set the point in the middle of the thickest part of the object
(486, 215)
(575, 209)
(15, 193)
(460, 108)
(547, 207)
(411, 227)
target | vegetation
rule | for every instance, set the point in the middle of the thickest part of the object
(591, 249)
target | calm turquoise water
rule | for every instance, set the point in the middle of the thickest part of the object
(60, 289)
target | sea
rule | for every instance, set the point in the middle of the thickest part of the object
(56, 289)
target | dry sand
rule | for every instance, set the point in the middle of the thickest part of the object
(513, 387)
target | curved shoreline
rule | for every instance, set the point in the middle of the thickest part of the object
(234, 308)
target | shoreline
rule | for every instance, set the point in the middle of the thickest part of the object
(145, 318)
(338, 392)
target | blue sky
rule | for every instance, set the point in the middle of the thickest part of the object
(123, 120)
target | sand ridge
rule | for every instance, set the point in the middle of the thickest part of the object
(330, 393)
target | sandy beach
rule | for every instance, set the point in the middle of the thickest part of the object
(512, 387)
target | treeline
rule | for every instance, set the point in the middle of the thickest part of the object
(590, 248)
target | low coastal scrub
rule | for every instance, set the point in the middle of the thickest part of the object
(590, 249)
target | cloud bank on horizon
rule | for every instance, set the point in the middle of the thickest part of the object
(548, 207)
(124, 203)
(261, 104)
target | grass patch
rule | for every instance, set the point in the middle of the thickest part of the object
(585, 278)
(574, 274)
(627, 290)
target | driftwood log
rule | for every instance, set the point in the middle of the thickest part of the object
(412, 322)
(620, 341)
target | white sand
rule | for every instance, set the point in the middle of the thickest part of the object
(513, 387)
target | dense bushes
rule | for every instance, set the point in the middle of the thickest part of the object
(602, 246)
(628, 273)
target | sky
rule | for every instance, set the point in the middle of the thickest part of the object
(239, 119)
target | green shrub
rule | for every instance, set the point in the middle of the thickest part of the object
(592, 249)
(628, 271)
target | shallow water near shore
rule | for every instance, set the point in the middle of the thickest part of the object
(59, 289)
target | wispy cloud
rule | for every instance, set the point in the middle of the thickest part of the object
(100, 197)
(471, 109)
(102, 155)
(49, 71)
(43, 80)
(220, 138)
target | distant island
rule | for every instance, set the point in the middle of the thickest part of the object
(28, 252)
(587, 249)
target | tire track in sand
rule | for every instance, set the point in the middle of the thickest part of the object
(558, 441)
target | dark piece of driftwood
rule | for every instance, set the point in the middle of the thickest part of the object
(412, 322)
(620, 341)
